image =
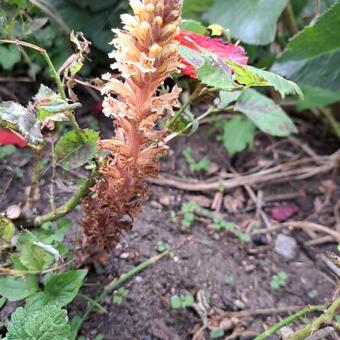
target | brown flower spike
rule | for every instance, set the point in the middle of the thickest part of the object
(145, 54)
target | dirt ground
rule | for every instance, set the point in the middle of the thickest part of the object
(204, 258)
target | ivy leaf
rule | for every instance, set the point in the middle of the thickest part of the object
(264, 113)
(73, 152)
(20, 118)
(238, 134)
(50, 322)
(250, 76)
(312, 56)
(17, 288)
(9, 56)
(251, 21)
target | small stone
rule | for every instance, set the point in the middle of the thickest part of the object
(124, 255)
(286, 246)
(239, 304)
(164, 200)
(13, 212)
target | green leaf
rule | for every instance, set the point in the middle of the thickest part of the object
(194, 9)
(264, 113)
(175, 302)
(63, 288)
(315, 97)
(59, 290)
(209, 68)
(251, 21)
(193, 26)
(226, 98)
(7, 230)
(15, 288)
(73, 152)
(48, 323)
(312, 56)
(250, 76)
(6, 150)
(22, 119)
(238, 133)
(9, 56)
(32, 256)
(49, 103)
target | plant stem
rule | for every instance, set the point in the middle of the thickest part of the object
(287, 321)
(69, 205)
(115, 284)
(324, 318)
(331, 120)
(289, 18)
(35, 175)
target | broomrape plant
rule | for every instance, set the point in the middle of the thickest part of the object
(145, 54)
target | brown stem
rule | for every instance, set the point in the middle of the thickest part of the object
(289, 19)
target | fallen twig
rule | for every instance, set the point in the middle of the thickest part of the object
(282, 173)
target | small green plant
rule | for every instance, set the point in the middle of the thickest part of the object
(188, 210)
(203, 164)
(229, 280)
(119, 295)
(216, 333)
(182, 301)
(279, 280)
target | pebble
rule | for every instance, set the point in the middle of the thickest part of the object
(286, 246)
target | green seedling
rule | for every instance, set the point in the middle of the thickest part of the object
(203, 164)
(119, 295)
(216, 333)
(228, 280)
(182, 301)
(279, 280)
(173, 216)
(219, 224)
(188, 210)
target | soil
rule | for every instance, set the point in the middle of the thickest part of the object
(203, 257)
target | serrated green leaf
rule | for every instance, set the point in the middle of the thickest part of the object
(22, 120)
(251, 21)
(18, 288)
(312, 56)
(73, 152)
(193, 26)
(251, 76)
(238, 133)
(48, 323)
(264, 113)
(9, 56)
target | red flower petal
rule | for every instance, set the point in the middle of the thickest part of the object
(9, 137)
(216, 46)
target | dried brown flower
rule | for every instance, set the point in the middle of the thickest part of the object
(145, 54)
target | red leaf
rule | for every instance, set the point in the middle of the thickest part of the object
(9, 137)
(283, 212)
(216, 46)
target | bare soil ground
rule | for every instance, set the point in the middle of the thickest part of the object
(203, 257)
